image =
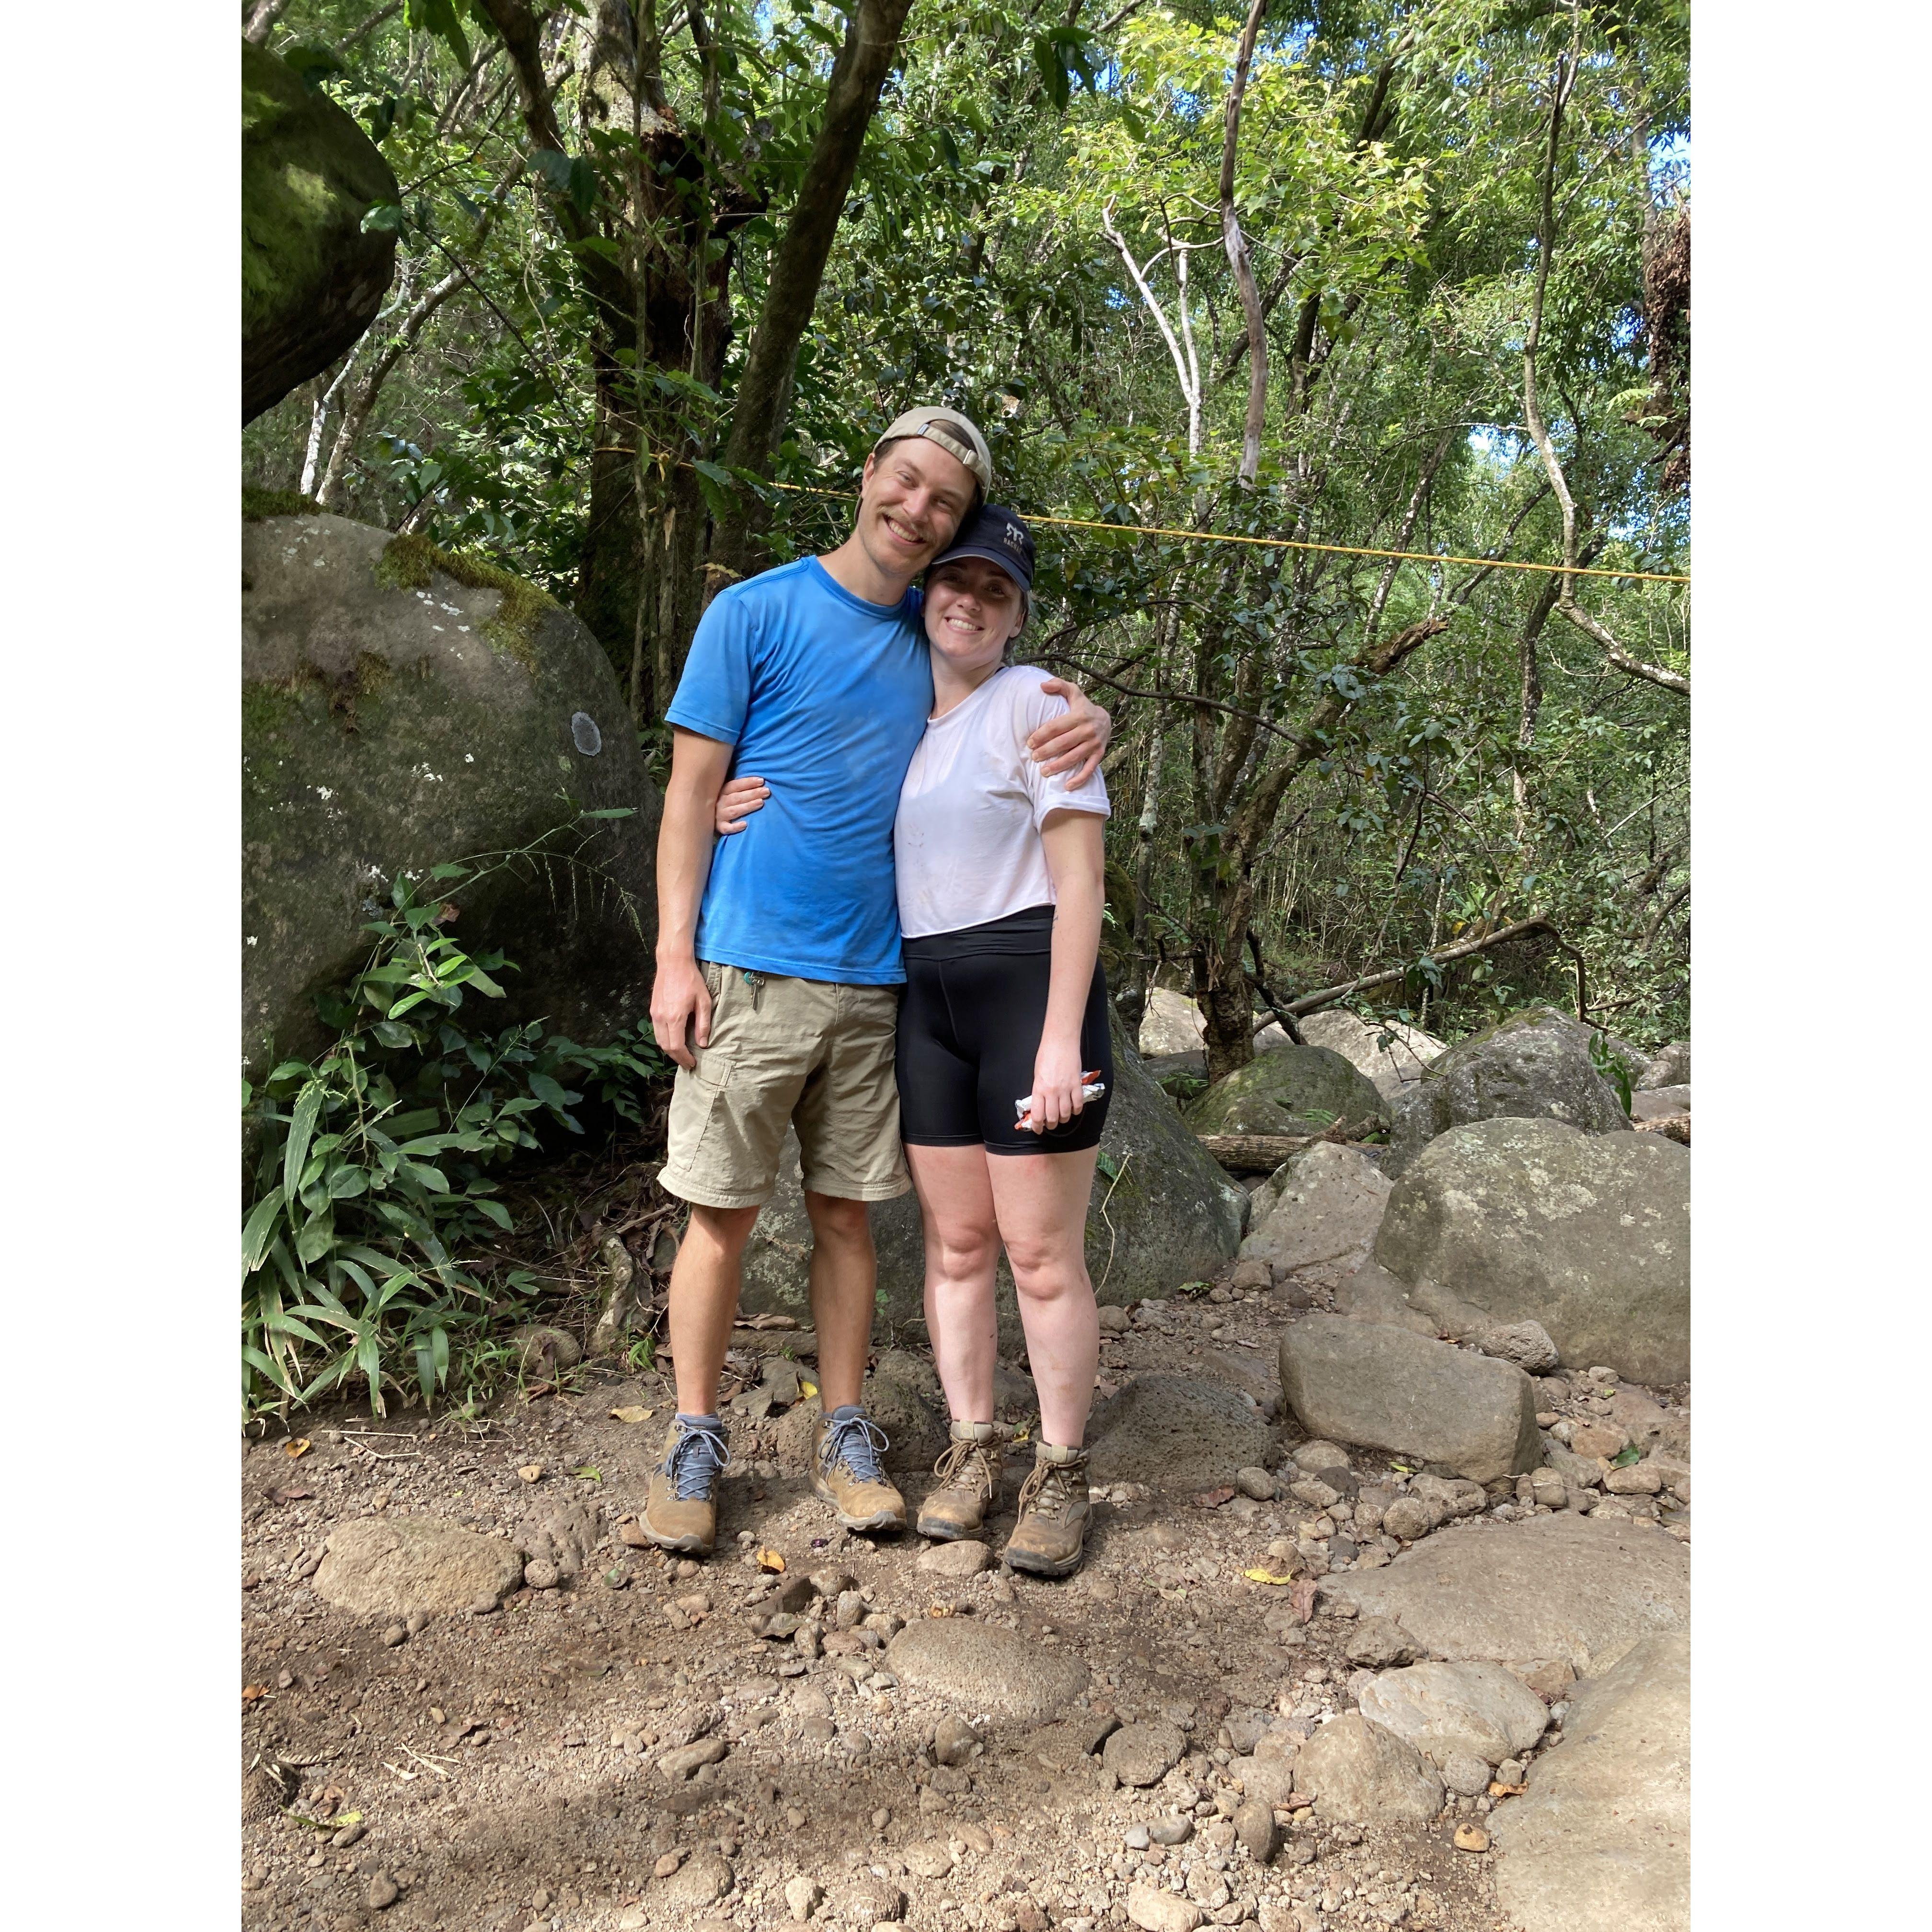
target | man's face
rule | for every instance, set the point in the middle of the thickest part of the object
(910, 503)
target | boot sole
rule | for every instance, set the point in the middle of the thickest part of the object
(680, 1546)
(881, 1519)
(946, 1532)
(1038, 1566)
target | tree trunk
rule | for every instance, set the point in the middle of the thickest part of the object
(798, 266)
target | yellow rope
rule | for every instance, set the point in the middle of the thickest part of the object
(1296, 543)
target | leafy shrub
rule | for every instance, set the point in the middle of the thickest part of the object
(378, 1163)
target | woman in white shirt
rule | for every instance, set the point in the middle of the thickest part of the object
(1000, 885)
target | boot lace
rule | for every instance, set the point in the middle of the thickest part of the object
(693, 1462)
(951, 1467)
(1052, 1489)
(858, 1442)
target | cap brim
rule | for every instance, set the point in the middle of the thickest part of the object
(989, 554)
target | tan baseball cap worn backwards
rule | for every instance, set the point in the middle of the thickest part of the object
(957, 436)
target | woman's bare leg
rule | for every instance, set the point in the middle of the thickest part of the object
(1040, 1200)
(962, 1249)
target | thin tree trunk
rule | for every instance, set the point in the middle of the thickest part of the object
(259, 18)
(798, 264)
(1236, 244)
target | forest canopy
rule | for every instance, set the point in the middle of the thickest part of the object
(1339, 277)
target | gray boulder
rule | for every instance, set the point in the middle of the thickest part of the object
(1296, 1090)
(392, 1566)
(1656, 1103)
(1601, 1840)
(1534, 1065)
(1167, 1213)
(1670, 1067)
(1371, 1294)
(1382, 1387)
(1392, 1068)
(1580, 1590)
(1321, 1207)
(980, 1665)
(312, 277)
(1506, 1221)
(393, 717)
(1172, 1024)
(1360, 1772)
(1445, 1710)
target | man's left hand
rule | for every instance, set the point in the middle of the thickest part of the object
(1077, 740)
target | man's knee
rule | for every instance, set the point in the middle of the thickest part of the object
(727, 1227)
(834, 1218)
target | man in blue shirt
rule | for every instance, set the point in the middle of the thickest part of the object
(777, 959)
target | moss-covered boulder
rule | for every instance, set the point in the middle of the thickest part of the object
(400, 708)
(1165, 1213)
(1295, 1090)
(1534, 1065)
(311, 279)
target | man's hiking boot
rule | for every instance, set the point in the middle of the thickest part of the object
(968, 1490)
(681, 1511)
(1051, 1536)
(846, 1446)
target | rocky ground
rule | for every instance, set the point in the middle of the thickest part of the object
(1294, 1683)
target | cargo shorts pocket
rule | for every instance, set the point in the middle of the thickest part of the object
(711, 1066)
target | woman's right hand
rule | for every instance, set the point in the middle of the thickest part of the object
(739, 798)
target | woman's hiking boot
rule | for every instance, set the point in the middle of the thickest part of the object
(1050, 1537)
(968, 1489)
(846, 1446)
(681, 1510)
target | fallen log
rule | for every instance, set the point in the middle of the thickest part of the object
(1254, 1153)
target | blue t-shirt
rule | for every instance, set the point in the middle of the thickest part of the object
(825, 697)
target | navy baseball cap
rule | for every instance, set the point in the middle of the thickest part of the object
(993, 532)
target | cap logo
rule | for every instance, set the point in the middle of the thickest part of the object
(1014, 538)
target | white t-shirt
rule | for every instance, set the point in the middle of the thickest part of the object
(967, 841)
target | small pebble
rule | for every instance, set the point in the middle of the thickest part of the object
(393, 1636)
(383, 1891)
(1472, 1838)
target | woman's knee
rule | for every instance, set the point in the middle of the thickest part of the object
(1048, 1269)
(963, 1252)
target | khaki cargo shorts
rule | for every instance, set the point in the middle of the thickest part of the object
(804, 1053)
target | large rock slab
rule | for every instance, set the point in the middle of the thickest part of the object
(1166, 1214)
(1295, 1090)
(1393, 1067)
(394, 718)
(1589, 1235)
(1323, 1206)
(984, 1667)
(312, 277)
(1658, 1103)
(1583, 1590)
(1182, 1431)
(1382, 1387)
(1533, 1066)
(390, 1566)
(1601, 1841)
(1444, 1709)
(1360, 1773)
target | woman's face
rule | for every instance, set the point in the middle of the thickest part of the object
(972, 608)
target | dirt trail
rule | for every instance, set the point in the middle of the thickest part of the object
(507, 1767)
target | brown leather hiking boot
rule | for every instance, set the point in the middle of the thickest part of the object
(1051, 1536)
(681, 1509)
(969, 1482)
(846, 1446)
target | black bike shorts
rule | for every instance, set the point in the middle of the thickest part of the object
(970, 1024)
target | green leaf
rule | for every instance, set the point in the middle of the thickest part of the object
(1625, 1456)
(496, 1211)
(384, 218)
(439, 17)
(258, 1229)
(548, 1090)
(301, 1127)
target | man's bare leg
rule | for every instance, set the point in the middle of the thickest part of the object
(844, 1275)
(704, 1284)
